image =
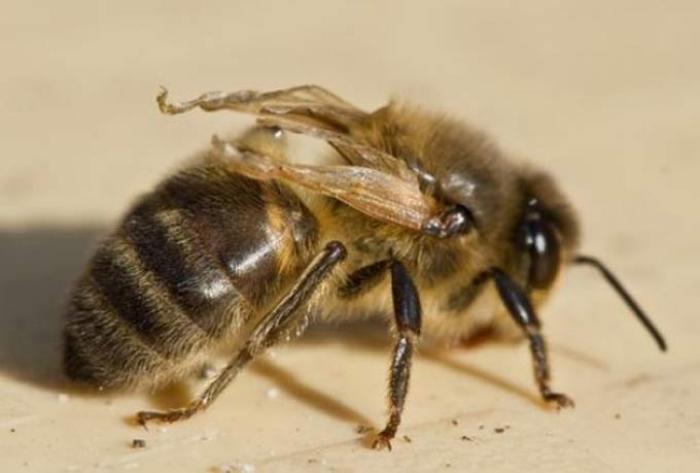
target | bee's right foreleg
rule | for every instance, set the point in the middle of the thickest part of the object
(266, 333)
(522, 312)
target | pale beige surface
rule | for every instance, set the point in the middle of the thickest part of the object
(605, 94)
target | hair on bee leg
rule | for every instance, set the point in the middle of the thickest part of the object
(521, 310)
(266, 333)
(407, 316)
(407, 320)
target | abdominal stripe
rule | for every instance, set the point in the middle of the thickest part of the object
(100, 337)
(182, 265)
(138, 298)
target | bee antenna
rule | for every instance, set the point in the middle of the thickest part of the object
(622, 292)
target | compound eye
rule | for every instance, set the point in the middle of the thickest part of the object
(542, 244)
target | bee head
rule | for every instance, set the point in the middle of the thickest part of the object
(546, 232)
(547, 235)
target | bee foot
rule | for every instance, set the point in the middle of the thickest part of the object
(143, 417)
(560, 400)
(382, 441)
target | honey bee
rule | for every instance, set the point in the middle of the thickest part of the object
(245, 244)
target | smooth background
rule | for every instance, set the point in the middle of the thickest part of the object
(604, 94)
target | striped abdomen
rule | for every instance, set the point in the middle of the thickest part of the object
(189, 264)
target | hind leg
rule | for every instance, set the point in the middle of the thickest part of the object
(268, 331)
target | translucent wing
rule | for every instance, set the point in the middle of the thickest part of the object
(375, 193)
(308, 110)
(375, 183)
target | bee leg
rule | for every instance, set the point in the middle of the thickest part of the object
(523, 313)
(407, 314)
(364, 279)
(266, 333)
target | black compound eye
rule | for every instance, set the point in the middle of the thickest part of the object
(542, 244)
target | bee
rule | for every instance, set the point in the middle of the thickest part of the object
(412, 215)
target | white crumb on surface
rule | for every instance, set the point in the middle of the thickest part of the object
(63, 397)
(236, 468)
(206, 436)
(272, 393)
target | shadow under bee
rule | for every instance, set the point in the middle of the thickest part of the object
(371, 335)
(40, 264)
(181, 392)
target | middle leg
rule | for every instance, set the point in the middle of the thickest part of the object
(407, 316)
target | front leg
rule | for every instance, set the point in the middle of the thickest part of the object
(407, 316)
(520, 308)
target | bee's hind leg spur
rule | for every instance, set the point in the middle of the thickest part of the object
(266, 333)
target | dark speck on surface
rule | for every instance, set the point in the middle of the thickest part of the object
(138, 443)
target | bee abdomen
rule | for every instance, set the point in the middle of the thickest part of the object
(189, 264)
(190, 278)
(99, 348)
(135, 295)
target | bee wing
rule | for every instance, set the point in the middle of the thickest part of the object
(309, 110)
(354, 152)
(309, 100)
(378, 194)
